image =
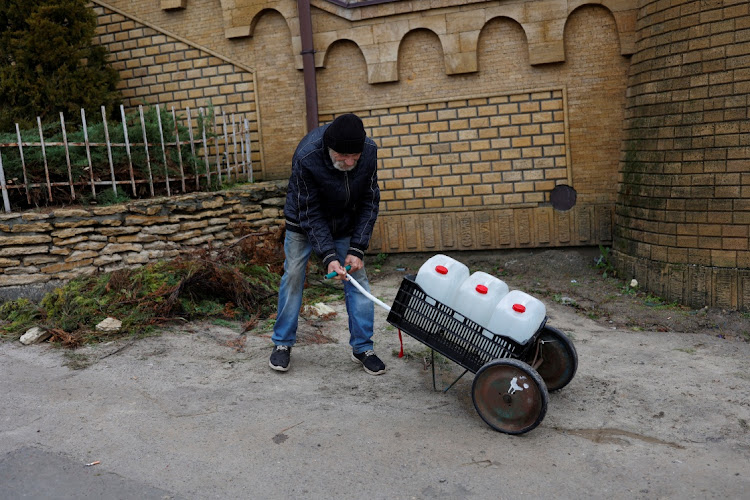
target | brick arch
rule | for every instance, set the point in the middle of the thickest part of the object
(326, 52)
(257, 16)
(519, 43)
(624, 20)
(601, 10)
(593, 60)
(411, 34)
(296, 43)
(251, 14)
(506, 17)
(341, 80)
(496, 19)
(280, 88)
(369, 53)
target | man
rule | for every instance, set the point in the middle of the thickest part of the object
(331, 207)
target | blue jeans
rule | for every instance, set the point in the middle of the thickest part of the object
(360, 309)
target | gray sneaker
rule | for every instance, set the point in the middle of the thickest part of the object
(280, 358)
(370, 362)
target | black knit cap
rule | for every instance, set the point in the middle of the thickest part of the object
(346, 134)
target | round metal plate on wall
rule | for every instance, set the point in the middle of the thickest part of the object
(563, 197)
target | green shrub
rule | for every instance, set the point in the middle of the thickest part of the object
(49, 62)
(17, 316)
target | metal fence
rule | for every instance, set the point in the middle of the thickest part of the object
(218, 152)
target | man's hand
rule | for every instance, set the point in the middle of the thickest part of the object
(335, 267)
(355, 262)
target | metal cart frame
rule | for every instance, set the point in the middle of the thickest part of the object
(512, 380)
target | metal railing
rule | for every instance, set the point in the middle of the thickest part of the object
(218, 153)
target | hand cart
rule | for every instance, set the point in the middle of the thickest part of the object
(512, 380)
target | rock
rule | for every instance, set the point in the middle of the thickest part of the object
(35, 335)
(568, 301)
(109, 325)
(320, 310)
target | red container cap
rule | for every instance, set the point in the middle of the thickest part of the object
(481, 289)
(519, 308)
(441, 269)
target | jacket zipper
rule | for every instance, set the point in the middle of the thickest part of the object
(348, 191)
(346, 203)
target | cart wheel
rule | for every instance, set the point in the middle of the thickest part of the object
(559, 359)
(510, 396)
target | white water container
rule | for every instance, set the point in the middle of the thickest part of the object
(440, 277)
(518, 316)
(478, 296)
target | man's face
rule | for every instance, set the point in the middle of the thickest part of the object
(344, 162)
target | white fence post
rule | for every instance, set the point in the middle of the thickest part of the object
(179, 150)
(236, 157)
(249, 157)
(88, 152)
(205, 148)
(192, 149)
(6, 200)
(163, 149)
(148, 157)
(23, 165)
(127, 148)
(109, 151)
(67, 155)
(44, 155)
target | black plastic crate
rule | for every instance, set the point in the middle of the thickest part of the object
(448, 332)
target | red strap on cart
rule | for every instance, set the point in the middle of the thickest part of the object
(401, 340)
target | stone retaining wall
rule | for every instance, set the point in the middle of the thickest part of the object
(39, 249)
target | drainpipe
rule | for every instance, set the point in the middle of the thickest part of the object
(308, 63)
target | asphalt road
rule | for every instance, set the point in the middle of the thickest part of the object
(189, 415)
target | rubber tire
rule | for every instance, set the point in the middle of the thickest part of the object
(508, 416)
(559, 359)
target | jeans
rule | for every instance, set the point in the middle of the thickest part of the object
(360, 309)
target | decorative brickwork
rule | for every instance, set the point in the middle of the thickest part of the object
(584, 42)
(479, 229)
(457, 24)
(476, 173)
(480, 107)
(479, 152)
(157, 67)
(683, 217)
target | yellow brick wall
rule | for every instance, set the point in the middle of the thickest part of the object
(492, 157)
(489, 151)
(158, 68)
(683, 217)
(594, 76)
(479, 107)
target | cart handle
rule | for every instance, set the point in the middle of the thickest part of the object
(331, 275)
(373, 299)
(367, 294)
(354, 282)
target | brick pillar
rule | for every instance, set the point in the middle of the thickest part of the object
(683, 214)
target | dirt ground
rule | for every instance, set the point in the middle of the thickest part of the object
(659, 406)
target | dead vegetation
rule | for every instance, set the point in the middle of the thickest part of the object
(237, 283)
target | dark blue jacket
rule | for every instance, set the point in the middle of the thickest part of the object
(325, 203)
